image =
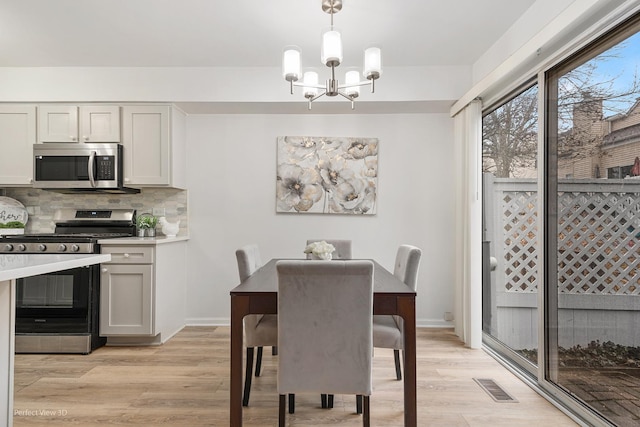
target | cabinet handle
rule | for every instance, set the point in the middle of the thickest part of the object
(86, 138)
(126, 255)
(73, 138)
(104, 269)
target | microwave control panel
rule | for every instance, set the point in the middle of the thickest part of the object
(106, 170)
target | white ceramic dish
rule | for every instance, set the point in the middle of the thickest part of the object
(12, 210)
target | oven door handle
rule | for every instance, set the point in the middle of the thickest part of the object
(92, 158)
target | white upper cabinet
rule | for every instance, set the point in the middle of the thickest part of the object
(71, 123)
(153, 138)
(100, 123)
(17, 136)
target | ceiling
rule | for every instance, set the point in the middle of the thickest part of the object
(245, 33)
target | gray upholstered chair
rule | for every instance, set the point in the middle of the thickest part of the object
(387, 330)
(343, 248)
(325, 341)
(260, 330)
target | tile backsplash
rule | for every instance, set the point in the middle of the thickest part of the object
(42, 204)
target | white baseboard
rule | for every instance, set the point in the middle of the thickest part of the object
(433, 323)
(208, 321)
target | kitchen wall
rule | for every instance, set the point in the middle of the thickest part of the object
(43, 204)
(231, 180)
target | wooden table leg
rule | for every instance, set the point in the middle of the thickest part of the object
(239, 308)
(407, 310)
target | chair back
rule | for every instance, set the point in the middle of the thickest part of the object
(248, 260)
(407, 265)
(342, 251)
(325, 312)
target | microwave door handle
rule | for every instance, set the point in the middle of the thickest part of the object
(92, 158)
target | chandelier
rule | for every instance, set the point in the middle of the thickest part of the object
(331, 56)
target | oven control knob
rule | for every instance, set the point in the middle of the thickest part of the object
(75, 248)
(62, 248)
(42, 247)
(22, 247)
(8, 247)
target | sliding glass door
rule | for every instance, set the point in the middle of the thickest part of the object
(510, 227)
(561, 260)
(593, 227)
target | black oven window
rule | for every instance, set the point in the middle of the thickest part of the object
(55, 291)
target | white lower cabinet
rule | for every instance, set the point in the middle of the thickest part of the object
(126, 291)
(127, 296)
(142, 293)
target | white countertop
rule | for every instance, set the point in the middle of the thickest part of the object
(158, 240)
(17, 266)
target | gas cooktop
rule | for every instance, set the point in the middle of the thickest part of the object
(77, 231)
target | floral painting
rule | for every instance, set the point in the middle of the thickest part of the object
(327, 175)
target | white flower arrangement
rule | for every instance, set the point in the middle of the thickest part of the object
(321, 249)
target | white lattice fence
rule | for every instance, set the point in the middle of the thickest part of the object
(598, 232)
(597, 244)
(520, 232)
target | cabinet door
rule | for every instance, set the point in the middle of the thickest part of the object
(57, 123)
(100, 123)
(145, 137)
(126, 300)
(17, 136)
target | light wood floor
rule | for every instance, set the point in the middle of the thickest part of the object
(185, 383)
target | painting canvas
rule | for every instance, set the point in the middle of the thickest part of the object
(335, 175)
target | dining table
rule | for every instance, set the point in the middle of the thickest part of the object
(258, 294)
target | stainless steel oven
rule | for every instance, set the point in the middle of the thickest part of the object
(59, 312)
(55, 312)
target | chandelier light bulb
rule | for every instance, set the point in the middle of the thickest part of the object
(372, 63)
(352, 81)
(331, 52)
(291, 63)
(310, 81)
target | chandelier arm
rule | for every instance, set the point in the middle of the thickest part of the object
(360, 83)
(308, 85)
(317, 96)
(346, 96)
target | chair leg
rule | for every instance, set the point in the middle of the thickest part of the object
(258, 361)
(274, 350)
(358, 404)
(396, 356)
(247, 377)
(323, 401)
(292, 403)
(281, 414)
(365, 417)
(330, 401)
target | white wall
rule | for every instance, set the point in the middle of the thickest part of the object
(231, 181)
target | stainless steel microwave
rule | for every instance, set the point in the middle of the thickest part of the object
(81, 168)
